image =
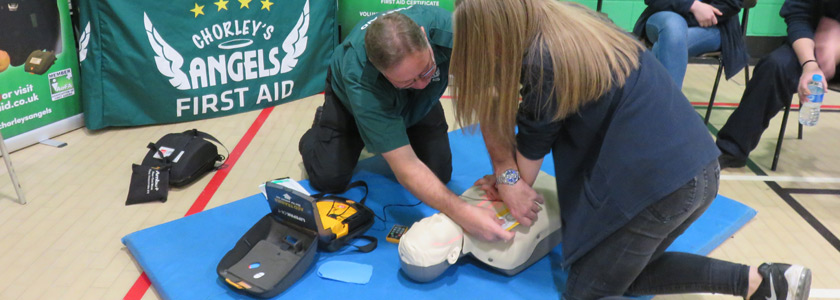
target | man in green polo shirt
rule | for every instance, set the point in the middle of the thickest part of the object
(383, 92)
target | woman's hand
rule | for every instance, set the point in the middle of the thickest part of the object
(705, 14)
(522, 201)
(488, 185)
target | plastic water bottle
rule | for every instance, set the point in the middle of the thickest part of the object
(809, 113)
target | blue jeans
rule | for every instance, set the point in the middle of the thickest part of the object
(633, 260)
(674, 42)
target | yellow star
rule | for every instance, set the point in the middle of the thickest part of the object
(244, 3)
(266, 5)
(222, 4)
(198, 10)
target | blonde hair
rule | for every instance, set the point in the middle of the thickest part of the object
(587, 54)
(390, 38)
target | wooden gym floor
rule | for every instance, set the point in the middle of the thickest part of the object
(65, 243)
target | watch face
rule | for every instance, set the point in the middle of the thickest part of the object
(509, 177)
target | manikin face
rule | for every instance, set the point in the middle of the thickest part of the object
(431, 241)
(415, 71)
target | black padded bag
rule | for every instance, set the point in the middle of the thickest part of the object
(269, 258)
(190, 155)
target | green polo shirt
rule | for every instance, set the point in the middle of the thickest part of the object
(383, 112)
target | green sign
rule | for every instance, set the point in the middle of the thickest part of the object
(148, 62)
(352, 11)
(39, 82)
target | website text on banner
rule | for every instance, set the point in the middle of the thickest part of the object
(38, 71)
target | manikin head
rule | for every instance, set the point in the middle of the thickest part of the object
(398, 48)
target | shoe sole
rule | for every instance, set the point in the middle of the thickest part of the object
(802, 277)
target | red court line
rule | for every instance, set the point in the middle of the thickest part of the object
(142, 284)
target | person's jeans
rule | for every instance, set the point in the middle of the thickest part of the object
(633, 260)
(674, 42)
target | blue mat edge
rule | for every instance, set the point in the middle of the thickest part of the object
(376, 163)
(705, 248)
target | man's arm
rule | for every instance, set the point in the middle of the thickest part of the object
(415, 176)
(522, 200)
(804, 48)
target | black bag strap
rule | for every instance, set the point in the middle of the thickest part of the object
(371, 245)
(209, 137)
(156, 148)
(349, 186)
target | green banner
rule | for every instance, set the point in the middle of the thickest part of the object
(38, 66)
(148, 62)
(351, 12)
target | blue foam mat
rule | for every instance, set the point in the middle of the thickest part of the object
(180, 256)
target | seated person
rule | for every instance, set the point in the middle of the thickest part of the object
(679, 29)
(813, 46)
(435, 242)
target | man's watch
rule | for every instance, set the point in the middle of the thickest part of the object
(509, 177)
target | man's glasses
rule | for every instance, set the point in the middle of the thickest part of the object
(423, 76)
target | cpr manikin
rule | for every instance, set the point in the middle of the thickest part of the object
(435, 242)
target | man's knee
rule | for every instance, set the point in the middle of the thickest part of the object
(328, 163)
(329, 183)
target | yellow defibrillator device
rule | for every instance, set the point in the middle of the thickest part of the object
(336, 215)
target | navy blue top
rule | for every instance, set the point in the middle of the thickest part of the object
(618, 154)
(733, 47)
(802, 16)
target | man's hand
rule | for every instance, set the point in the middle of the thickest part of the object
(480, 222)
(705, 14)
(808, 71)
(522, 200)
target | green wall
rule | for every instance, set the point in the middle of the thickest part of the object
(764, 18)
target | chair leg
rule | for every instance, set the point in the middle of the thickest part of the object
(747, 73)
(714, 93)
(800, 124)
(800, 132)
(781, 138)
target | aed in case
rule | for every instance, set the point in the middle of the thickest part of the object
(269, 258)
(281, 246)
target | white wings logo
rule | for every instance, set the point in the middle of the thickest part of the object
(168, 60)
(295, 43)
(83, 43)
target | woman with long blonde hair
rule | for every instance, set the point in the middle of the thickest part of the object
(634, 164)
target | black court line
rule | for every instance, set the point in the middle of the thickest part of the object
(788, 198)
(813, 191)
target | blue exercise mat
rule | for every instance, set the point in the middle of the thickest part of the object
(180, 257)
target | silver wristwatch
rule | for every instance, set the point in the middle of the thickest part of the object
(509, 177)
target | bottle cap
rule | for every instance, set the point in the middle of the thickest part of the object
(817, 77)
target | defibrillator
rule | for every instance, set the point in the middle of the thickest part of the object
(282, 246)
(39, 62)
